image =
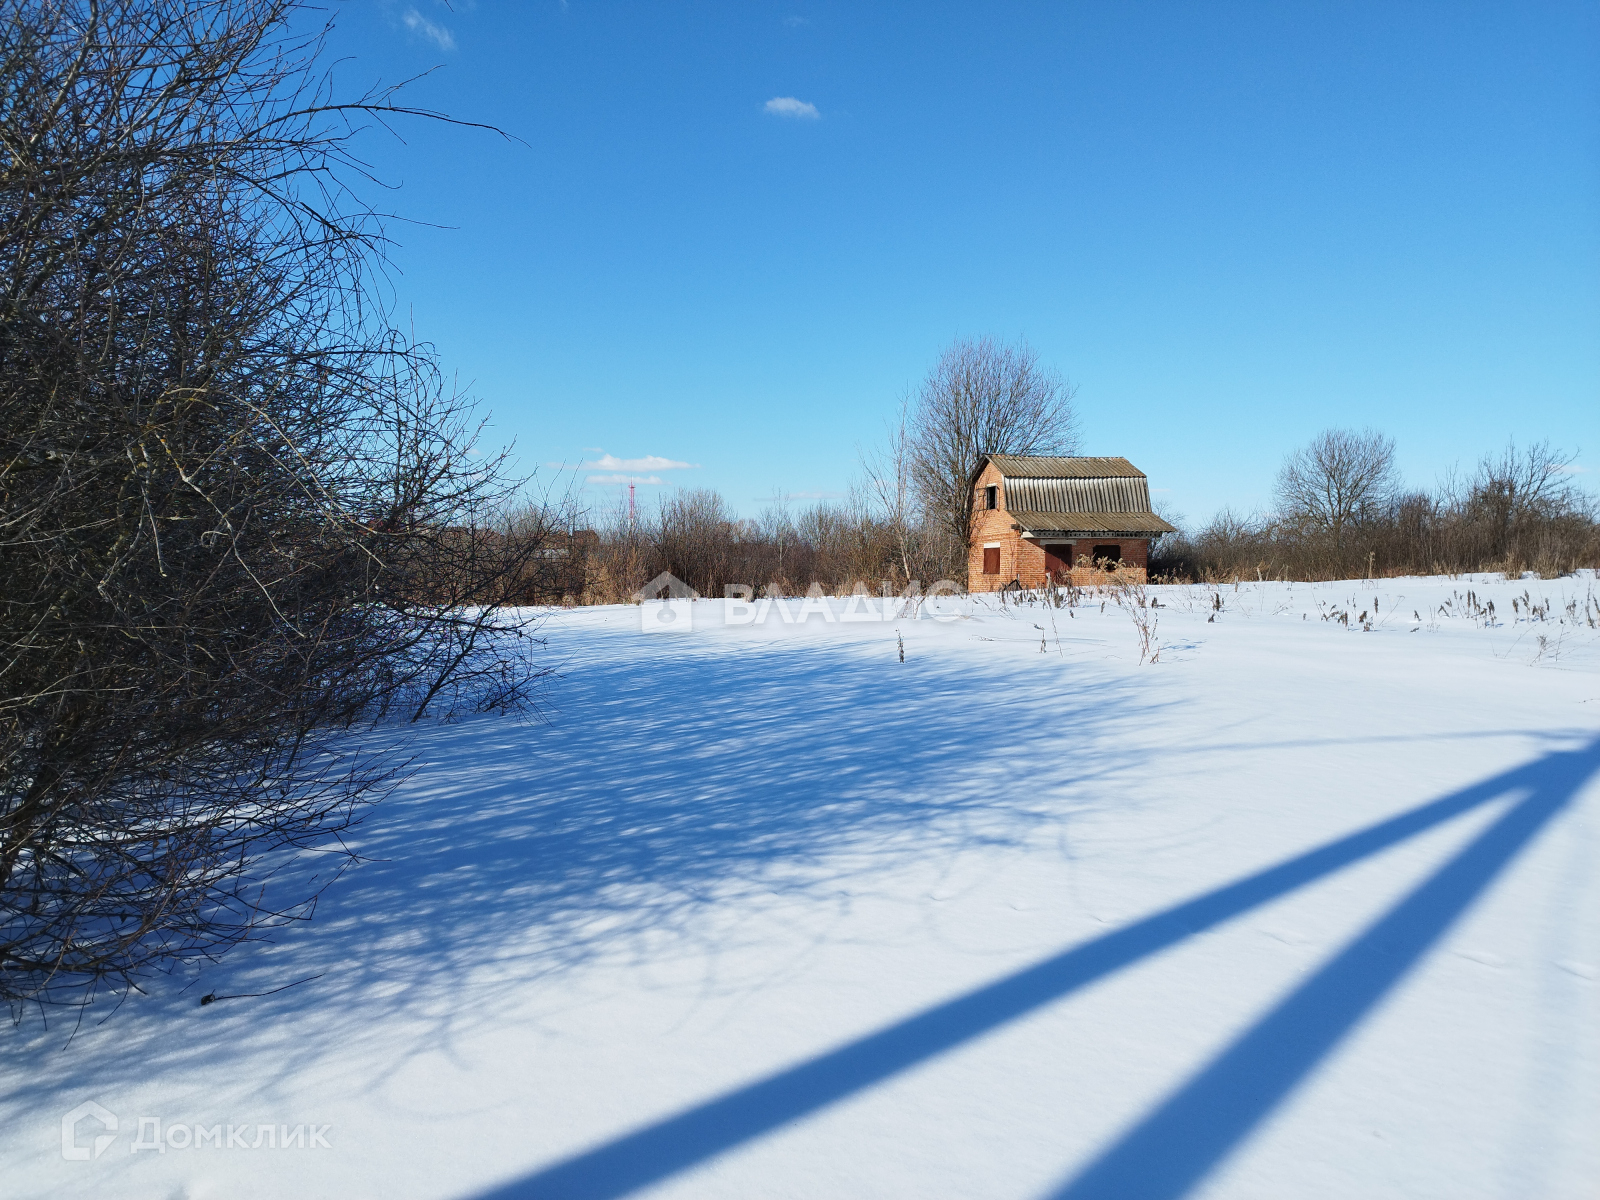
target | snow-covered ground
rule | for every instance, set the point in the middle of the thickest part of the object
(1302, 909)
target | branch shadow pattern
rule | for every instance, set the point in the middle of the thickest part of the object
(518, 852)
(1171, 1150)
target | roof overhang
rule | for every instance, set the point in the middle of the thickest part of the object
(1072, 535)
(1087, 525)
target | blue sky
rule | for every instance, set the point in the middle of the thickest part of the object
(1231, 225)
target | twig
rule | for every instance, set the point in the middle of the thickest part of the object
(212, 997)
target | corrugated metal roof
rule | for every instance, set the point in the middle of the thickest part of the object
(1018, 466)
(1116, 494)
(1077, 497)
(1090, 524)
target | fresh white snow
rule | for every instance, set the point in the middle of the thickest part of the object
(1302, 909)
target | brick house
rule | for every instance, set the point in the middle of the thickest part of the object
(1070, 518)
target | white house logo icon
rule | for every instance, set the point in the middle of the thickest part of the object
(69, 1131)
(666, 605)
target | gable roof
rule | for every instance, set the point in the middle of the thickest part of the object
(1076, 497)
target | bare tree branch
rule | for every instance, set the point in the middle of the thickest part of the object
(241, 516)
(983, 397)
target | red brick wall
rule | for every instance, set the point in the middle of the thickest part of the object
(1017, 558)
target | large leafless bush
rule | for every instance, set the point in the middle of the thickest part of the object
(239, 514)
(1329, 488)
(1522, 504)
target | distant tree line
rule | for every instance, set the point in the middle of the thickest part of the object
(1340, 508)
(1342, 511)
(907, 520)
(695, 535)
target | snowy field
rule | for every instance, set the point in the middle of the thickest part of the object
(1307, 908)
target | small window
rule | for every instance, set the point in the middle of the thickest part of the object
(991, 558)
(991, 497)
(1107, 556)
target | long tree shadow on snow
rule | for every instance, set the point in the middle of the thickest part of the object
(661, 787)
(1167, 1153)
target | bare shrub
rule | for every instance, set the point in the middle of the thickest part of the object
(1134, 598)
(239, 513)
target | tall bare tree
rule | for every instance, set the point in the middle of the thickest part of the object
(983, 397)
(891, 492)
(240, 515)
(1512, 489)
(1340, 478)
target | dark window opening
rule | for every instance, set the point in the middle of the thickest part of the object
(1108, 555)
(991, 560)
(991, 497)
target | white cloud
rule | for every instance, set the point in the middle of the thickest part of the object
(650, 462)
(437, 34)
(1570, 469)
(607, 479)
(788, 106)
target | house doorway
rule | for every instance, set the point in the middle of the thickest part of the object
(1057, 560)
